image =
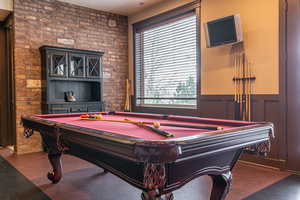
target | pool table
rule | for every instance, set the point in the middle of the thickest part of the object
(156, 164)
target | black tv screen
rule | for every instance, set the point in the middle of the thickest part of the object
(223, 31)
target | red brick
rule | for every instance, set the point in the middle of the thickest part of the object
(42, 22)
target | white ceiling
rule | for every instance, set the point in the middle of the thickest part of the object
(123, 7)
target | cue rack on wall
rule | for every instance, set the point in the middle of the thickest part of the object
(243, 82)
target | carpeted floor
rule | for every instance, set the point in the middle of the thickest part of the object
(286, 189)
(15, 186)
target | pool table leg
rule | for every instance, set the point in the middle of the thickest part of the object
(221, 185)
(155, 195)
(55, 162)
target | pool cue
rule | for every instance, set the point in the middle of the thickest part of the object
(245, 103)
(250, 93)
(158, 131)
(239, 66)
(193, 126)
(238, 76)
(235, 74)
(241, 76)
(249, 113)
(247, 89)
(241, 79)
(156, 124)
(241, 85)
(127, 96)
(140, 124)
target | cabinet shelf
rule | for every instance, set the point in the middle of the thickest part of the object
(75, 102)
(76, 79)
(72, 72)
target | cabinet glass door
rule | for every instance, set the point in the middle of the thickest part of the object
(93, 66)
(76, 67)
(58, 64)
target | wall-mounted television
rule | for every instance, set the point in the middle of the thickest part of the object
(224, 31)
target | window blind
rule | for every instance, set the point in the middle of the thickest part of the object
(166, 63)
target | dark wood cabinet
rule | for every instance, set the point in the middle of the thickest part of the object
(57, 63)
(93, 67)
(72, 71)
(77, 66)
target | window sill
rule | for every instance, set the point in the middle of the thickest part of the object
(162, 109)
(194, 107)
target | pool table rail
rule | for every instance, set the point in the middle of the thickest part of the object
(155, 151)
(157, 167)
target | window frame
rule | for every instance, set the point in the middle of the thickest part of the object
(156, 21)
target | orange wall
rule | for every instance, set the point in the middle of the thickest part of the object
(260, 22)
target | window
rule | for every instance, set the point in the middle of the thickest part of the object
(166, 62)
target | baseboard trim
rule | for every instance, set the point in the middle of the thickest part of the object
(258, 165)
(262, 161)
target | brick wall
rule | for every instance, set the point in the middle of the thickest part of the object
(45, 22)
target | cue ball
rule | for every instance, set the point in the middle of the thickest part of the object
(156, 124)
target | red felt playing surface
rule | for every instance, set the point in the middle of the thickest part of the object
(132, 130)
